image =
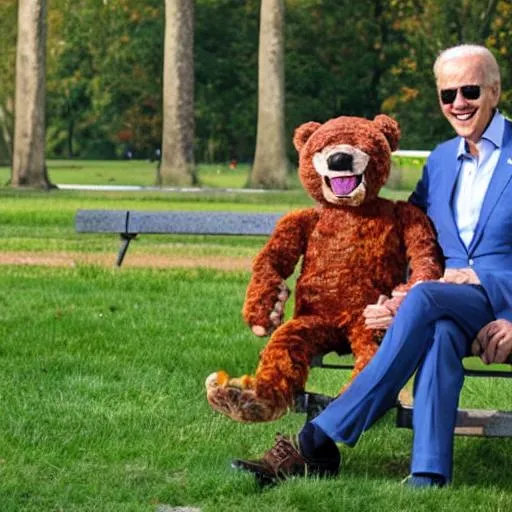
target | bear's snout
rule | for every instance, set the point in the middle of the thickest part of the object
(340, 161)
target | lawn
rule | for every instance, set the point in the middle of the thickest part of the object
(143, 173)
(131, 172)
(44, 221)
(103, 406)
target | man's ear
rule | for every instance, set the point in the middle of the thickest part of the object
(496, 93)
(390, 128)
(303, 132)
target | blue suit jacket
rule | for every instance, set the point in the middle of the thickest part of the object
(490, 251)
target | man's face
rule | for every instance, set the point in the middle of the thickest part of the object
(469, 117)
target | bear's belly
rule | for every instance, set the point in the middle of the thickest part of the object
(344, 271)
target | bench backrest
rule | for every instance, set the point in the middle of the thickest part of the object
(179, 222)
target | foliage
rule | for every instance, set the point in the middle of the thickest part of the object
(226, 69)
(428, 28)
(341, 57)
(104, 86)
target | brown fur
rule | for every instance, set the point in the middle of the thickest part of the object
(353, 250)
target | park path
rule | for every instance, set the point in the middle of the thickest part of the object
(71, 259)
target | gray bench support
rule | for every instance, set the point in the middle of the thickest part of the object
(128, 224)
(470, 422)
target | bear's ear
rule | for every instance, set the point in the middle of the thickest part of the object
(390, 128)
(303, 132)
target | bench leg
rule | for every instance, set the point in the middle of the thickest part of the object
(311, 403)
(126, 238)
(470, 422)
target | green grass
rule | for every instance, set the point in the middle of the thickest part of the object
(143, 173)
(102, 373)
(44, 221)
(103, 407)
(132, 172)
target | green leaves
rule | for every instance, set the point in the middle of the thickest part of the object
(105, 62)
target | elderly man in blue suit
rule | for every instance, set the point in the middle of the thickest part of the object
(466, 189)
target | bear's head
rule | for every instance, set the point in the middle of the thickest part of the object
(346, 160)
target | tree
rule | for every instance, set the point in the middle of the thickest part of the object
(270, 163)
(177, 165)
(104, 78)
(226, 79)
(29, 167)
(7, 60)
(408, 87)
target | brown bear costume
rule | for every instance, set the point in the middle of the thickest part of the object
(354, 246)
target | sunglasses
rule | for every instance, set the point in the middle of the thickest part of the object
(470, 92)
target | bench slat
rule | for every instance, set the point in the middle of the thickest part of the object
(202, 223)
(101, 221)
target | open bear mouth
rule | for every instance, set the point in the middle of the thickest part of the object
(342, 186)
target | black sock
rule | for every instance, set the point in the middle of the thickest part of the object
(316, 444)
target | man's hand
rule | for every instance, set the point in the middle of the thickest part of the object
(460, 276)
(380, 315)
(493, 342)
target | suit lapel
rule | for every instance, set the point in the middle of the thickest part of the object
(452, 166)
(500, 179)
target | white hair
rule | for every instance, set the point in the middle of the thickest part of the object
(490, 65)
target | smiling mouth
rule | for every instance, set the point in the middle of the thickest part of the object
(343, 186)
(466, 116)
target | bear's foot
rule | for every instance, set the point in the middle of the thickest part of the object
(237, 399)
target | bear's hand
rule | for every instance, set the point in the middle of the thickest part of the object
(275, 317)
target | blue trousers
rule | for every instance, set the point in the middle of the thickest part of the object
(431, 333)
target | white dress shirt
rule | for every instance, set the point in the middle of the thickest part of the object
(475, 175)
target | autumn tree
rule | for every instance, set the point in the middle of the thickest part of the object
(177, 165)
(105, 82)
(408, 88)
(270, 163)
(29, 167)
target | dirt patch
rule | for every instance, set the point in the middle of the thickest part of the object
(70, 259)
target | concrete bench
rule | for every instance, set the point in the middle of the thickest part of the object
(129, 223)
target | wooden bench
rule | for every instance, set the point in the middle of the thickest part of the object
(129, 223)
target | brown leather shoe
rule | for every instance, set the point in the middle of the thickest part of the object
(284, 460)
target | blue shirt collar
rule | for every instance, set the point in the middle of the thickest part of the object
(493, 133)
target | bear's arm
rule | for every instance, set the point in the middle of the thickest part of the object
(276, 262)
(423, 253)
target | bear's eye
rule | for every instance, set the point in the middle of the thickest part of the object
(340, 161)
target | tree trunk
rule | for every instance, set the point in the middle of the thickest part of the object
(270, 163)
(177, 164)
(28, 166)
(5, 136)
